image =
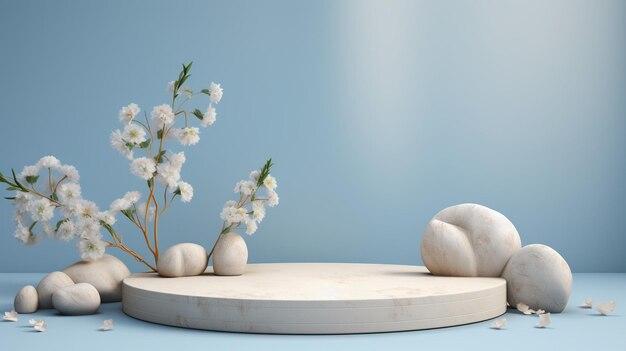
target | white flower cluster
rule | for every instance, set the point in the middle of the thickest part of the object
(48, 186)
(79, 218)
(165, 168)
(236, 213)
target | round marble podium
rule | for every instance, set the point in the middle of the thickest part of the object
(314, 298)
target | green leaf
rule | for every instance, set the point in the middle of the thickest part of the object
(130, 146)
(15, 179)
(160, 134)
(206, 91)
(177, 191)
(150, 183)
(30, 229)
(12, 188)
(129, 214)
(10, 198)
(59, 224)
(32, 179)
(198, 114)
(145, 144)
(265, 171)
(159, 157)
(55, 197)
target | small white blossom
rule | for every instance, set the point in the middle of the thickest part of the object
(259, 211)
(272, 198)
(69, 191)
(65, 231)
(22, 201)
(251, 226)
(24, 235)
(128, 113)
(91, 247)
(270, 183)
(216, 92)
(120, 205)
(134, 134)
(168, 174)
(70, 172)
(107, 217)
(49, 162)
(41, 210)
(186, 191)
(209, 117)
(132, 197)
(118, 143)
(232, 214)
(88, 208)
(254, 176)
(162, 116)
(246, 187)
(143, 167)
(177, 160)
(188, 135)
(72, 208)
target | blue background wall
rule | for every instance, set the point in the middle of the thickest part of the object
(377, 114)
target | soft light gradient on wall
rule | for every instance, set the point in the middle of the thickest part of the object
(377, 113)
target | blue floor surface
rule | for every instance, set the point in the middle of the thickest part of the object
(574, 329)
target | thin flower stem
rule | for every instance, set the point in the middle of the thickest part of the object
(156, 229)
(118, 243)
(59, 182)
(216, 241)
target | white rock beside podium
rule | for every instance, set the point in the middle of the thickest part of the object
(314, 298)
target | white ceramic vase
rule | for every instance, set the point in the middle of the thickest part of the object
(230, 255)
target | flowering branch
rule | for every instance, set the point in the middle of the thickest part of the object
(235, 213)
(81, 218)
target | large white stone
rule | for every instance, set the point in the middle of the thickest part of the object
(182, 260)
(539, 277)
(469, 240)
(26, 300)
(230, 256)
(77, 299)
(105, 275)
(48, 285)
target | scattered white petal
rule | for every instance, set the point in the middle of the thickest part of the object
(107, 325)
(498, 324)
(10, 316)
(540, 312)
(606, 307)
(588, 303)
(40, 326)
(34, 322)
(544, 320)
(522, 307)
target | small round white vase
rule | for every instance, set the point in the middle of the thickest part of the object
(230, 255)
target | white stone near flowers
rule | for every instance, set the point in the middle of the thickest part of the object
(469, 240)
